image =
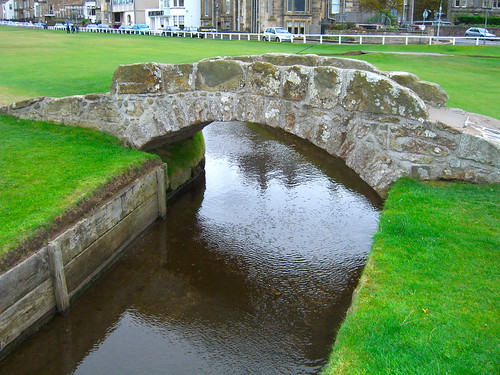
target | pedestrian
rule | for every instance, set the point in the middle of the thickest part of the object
(67, 28)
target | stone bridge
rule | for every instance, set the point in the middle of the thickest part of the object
(382, 124)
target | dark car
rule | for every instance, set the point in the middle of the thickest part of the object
(193, 32)
(171, 31)
(125, 29)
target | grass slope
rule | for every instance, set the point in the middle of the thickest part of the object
(54, 63)
(46, 169)
(428, 301)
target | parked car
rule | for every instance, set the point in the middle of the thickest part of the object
(126, 29)
(104, 28)
(278, 34)
(193, 32)
(92, 27)
(40, 25)
(171, 31)
(479, 32)
(141, 28)
(59, 26)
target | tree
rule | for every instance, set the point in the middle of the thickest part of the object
(433, 5)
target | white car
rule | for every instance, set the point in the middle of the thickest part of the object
(479, 32)
(277, 34)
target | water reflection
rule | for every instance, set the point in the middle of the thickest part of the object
(251, 273)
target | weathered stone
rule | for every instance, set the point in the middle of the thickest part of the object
(66, 107)
(429, 92)
(285, 59)
(369, 92)
(263, 79)
(325, 88)
(178, 78)
(219, 76)
(137, 79)
(346, 63)
(295, 83)
(382, 129)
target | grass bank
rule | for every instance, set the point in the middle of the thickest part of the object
(54, 63)
(428, 301)
(49, 174)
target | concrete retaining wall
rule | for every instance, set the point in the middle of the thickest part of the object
(48, 281)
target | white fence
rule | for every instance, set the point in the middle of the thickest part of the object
(301, 38)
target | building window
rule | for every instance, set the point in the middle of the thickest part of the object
(181, 22)
(496, 3)
(335, 7)
(228, 6)
(206, 8)
(175, 20)
(297, 5)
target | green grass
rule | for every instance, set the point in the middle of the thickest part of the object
(183, 154)
(46, 169)
(53, 63)
(429, 301)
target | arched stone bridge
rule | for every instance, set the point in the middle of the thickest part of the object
(384, 125)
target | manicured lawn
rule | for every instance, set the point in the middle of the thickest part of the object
(47, 169)
(429, 301)
(54, 63)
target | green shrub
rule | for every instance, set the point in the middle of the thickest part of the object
(476, 20)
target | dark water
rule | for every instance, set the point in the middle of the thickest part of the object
(251, 273)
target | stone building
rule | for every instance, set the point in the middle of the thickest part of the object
(473, 7)
(299, 16)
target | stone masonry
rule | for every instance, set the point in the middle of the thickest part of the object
(384, 125)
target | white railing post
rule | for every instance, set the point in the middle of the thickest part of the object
(406, 40)
(383, 40)
(361, 39)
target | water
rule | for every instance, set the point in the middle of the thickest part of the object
(251, 273)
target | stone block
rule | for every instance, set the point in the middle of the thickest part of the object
(346, 63)
(219, 75)
(178, 78)
(137, 79)
(263, 79)
(285, 59)
(429, 92)
(374, 93)
(295, 83)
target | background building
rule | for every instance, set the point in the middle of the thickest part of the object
(8, 10)
(473, 7)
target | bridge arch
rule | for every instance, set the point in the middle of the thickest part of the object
(383, 125)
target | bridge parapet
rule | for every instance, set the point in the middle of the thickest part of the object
(381, 128)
